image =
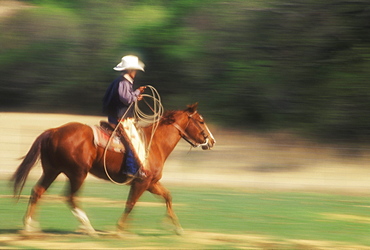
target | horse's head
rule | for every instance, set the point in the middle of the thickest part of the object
(194, 129)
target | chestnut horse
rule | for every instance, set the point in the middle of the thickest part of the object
(70, 150)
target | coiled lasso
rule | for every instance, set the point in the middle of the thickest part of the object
(156, 109)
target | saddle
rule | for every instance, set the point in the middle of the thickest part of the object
(125, 136)
(107, 126)
(102, 136)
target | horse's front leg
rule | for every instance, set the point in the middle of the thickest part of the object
(158, 189)
(136, 190)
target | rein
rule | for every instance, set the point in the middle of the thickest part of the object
(185, 135)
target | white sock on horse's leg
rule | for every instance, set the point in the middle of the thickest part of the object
(85, 222)
(31, 225)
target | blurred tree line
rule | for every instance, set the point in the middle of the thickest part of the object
(298, 64)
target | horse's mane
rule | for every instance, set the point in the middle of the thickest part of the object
(168, 117)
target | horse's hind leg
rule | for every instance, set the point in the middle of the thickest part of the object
(75, 184)
(30, 224)
(159, 189)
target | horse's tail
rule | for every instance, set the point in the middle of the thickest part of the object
(29, 160)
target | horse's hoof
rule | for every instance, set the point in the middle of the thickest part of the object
(31, 227)
(179, 231)
(169, 224)
(29, 230)
(88, 231)
(33, 233)
(92, 234)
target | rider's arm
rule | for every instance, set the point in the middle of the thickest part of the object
(126, 94)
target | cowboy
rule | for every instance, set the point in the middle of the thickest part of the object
(117, 104)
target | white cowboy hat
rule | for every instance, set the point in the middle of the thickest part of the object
(130, 62)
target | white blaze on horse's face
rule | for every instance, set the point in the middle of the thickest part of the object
(211, 140)
(200, 131)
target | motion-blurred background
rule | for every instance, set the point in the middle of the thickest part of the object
(283, 85)
(301, 65)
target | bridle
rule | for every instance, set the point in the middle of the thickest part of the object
(185, 135)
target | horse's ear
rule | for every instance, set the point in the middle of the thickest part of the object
(192, 108)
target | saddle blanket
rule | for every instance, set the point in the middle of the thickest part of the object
(101, 138)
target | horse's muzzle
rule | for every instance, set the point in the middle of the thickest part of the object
(210, 142)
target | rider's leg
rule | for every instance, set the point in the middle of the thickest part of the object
(131, 165)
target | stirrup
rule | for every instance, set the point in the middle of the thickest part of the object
(141, 174)
(138, 175)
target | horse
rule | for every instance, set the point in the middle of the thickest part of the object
(70, 149)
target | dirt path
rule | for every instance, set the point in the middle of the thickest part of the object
(8, 7)
(265, 161)
(190, 240)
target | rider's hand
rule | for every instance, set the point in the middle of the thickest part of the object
(140, 97)
(142, 88)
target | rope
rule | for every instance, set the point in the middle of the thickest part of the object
(157, 108)
(157, 112)
(105, 153)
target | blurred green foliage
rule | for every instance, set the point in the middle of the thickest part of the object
(300, 64)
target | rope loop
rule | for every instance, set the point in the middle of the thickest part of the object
(154, 104)
(152, 117)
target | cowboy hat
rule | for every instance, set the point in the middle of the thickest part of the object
(130, 62)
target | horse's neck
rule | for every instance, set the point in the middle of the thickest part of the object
(165, 139)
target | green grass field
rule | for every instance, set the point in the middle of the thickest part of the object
(211, 217)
